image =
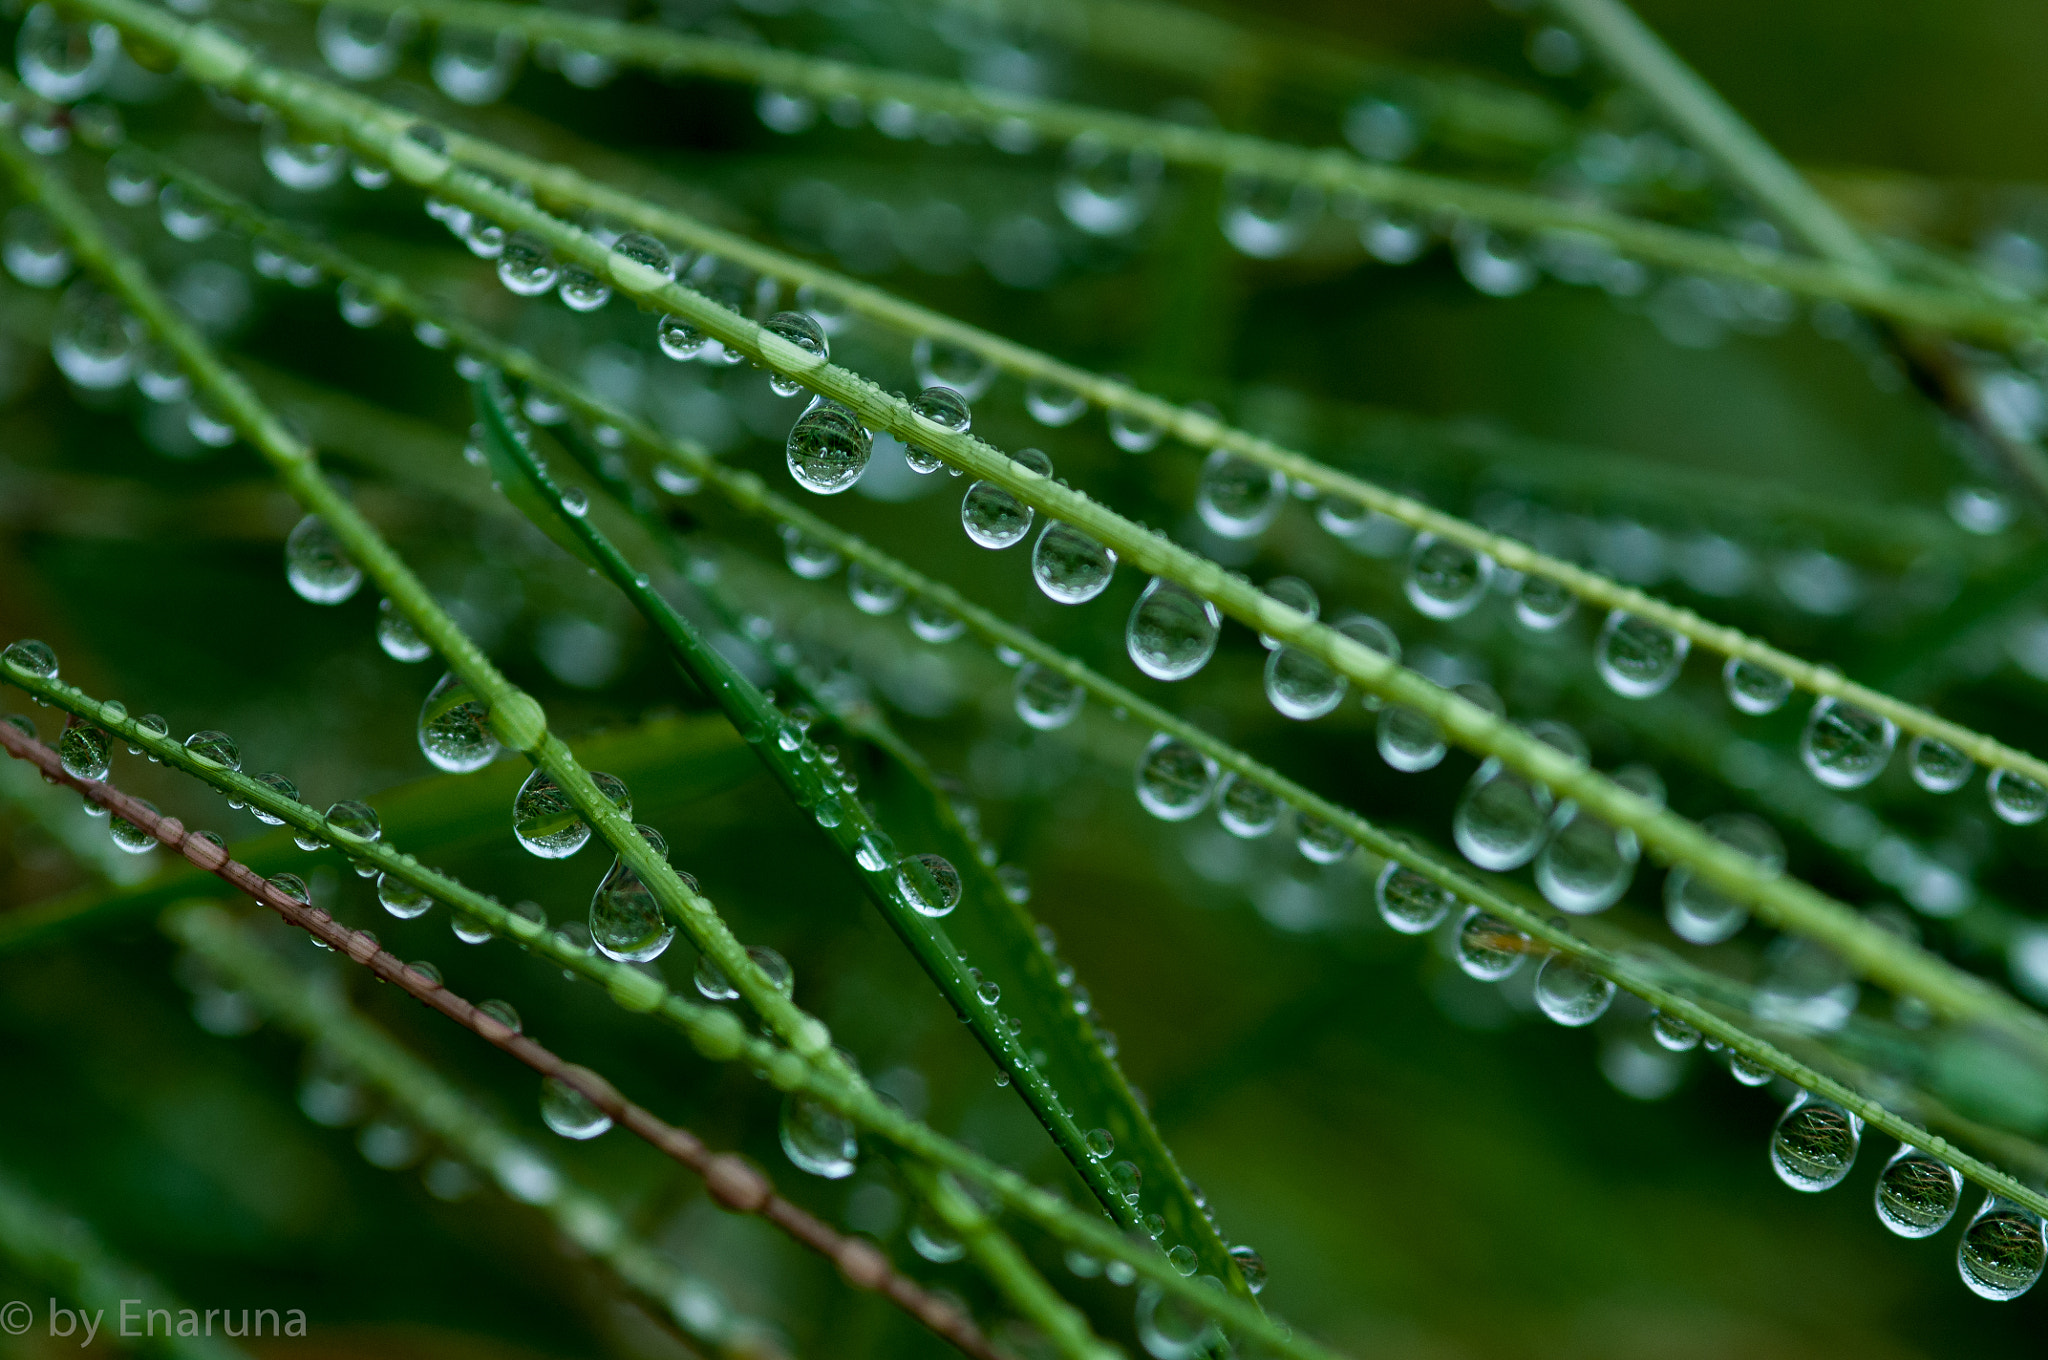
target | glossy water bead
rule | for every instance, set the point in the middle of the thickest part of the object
(1044, 698)
(817, 1140)
(1637, 658)
(1069, 566)
(1173, 779)
(929, 883)
(828, 448)
(803, 331)
(1409, 902)
(1846, 747)
(86, 751)
(317, 565)
(1571, 993)
(1701, 913)
(1814, 1143)
(1172, 631)
(2002, 1251)
(1446, 580)
(626, 920)
(1754, 689)
(993, 517)
(1245, 807)
(1937, 766)
(1587, 864)
(454, 728)
(1488, 948)
(526, 267)
(547, 824)
(942, 408)
(569, 1112)
(1917, 1194)
(2016, 799)
(1238, 498)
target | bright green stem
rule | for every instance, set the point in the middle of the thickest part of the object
(1197, 428)
(516, 717)
(1336, 172)
(321, 1015)
(1713, 125)
(63, 1252)
(715, 1032)
(866, 845)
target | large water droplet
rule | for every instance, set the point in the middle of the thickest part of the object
(1172, 631)
(944, 409)
(277, 783)
(1321, 841)
(569, 1112)
(873, 593)
(828, 448)
(1409, 902)
(1409, 741)
(1266, 218)
(1044, 698)
(1107, 191)
(1815, 1143)
(1937, 766)
(400, 898)
(1301, 685)
(1543, 606)
(2002, 1251)
(1587, 865)
(1754, 689)
(1638, 658)
(64, 62)
(1174, 780)
(2016, 799)
(1069, 566)
(1845, 746)
(1053, 404)
(317, 565)
(1917, 1194)
(1570, 993)
(1488, 948)
(31, 658)
(1698, 911)
(1445, 580)
(396, 635)
(360, 45)
(547, 824)
(1246, 807)
(525, 267)
(929, 883)
(87, 751)
(33, 249)
(1251, 1265)
(992, 516)
(1297, 595)
(803, 331)
(626, 921)
(1673, 1034)
(1238, 498)
(214, 748)
(93, 341)
(306, 167)
(581, 290)
(816, 1140)
(128, 836)
(476, 67)
(1501, 817)
(455, 728)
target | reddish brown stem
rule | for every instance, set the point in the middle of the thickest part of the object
(732, 1181)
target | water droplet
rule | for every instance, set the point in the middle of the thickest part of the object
(1844, 746)
(1638, 658)
(1301, 685)
(1501, 818)
(503, 1012)
(638, 248)
(1052, 404)
(929, 883)
(581, 290)
(992, 516)
(1320, 841)
(2016, 799)
(130, 837)
(1069, 566)
(64, 62)
(213, 748)
(1128, 1181)
(1409, 741)
(1169, 1327)
(1570, 993)
(932, 1239)
(871, 592)
(679, 338)
(1101, 1143)
(547, 824)
(942, 408)
(31, 658)
(1251, 1265)
(828, 448)
(292, 886)
(1297, 595)
(33, 249)
(396, 635)
(1044, 698)
(1917, 1194)
(874, 853)
(1265, 218)
(2002, 1251)
(1445, 580)
(816, 1140)
(87, 751)
(1488, 948)
(183, 215)
(1542, 605)
(813, 559)
(1814, 1143)
(1134, 433)
(1409, 902)
(626, 921)
(988, 993)
(1748, 1072)
(278, 784)
(569, 1112)
(476, 67)
(93, 341)
(525, 267)
(933, 623)
(576, 501)
(1238, 498)
(1673, 1034)
(361, 45)
(1703, 914)
(1587, 865)
(1105, 190)
(1246, 807)
(939, 363)
(317, 565)
(400, 898)
(455, 729)
(306, 167)
(1183, 1259)
(1174, 780)
(1937, 766)
(803, 331)
(1172, 631)
(352, 821)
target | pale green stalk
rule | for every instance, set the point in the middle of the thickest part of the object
(1335, 172)
(715, 1032)
(319, 1013)
(1195, 427)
